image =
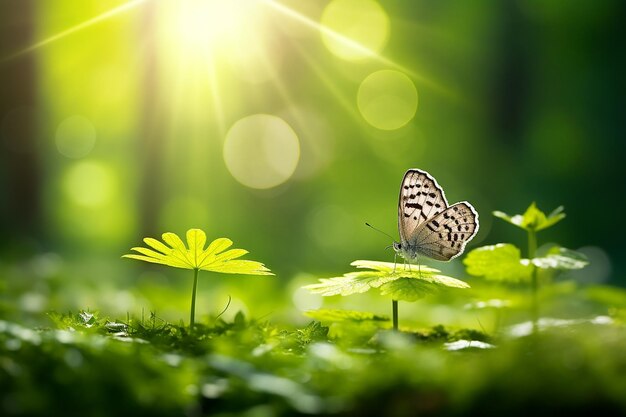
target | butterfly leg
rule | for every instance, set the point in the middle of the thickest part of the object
(419, 266)
(395, 256)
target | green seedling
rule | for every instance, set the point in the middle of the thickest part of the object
(504, 262)
(399, 283)
(215, 258)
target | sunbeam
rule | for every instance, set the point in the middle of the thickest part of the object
(286, 11)
(345, 103)
(306, 21)
(70, 31)
(216, 96)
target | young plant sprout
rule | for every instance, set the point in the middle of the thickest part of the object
(397, 282)
(214, 258)
(504, 262)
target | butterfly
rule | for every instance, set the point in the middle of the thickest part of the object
(427, 225)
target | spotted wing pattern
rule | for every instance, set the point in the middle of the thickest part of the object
(444, 236)
(420, 199)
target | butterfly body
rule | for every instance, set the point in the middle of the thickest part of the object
(428, 226)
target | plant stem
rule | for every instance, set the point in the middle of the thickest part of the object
(193, 299)
(532, 249)
(394, 309)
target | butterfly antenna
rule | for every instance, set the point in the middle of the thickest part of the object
(379, 231)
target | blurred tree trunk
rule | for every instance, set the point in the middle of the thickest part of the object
(20, 182)
(152, 127)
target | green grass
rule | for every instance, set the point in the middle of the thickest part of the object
(249, 367)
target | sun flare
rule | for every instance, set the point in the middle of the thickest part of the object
(202, 24)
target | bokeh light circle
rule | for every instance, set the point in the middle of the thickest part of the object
(598, 270)
(75, 137)
(387, 99)
(304, 300)
(89, 184)
(354, 29)
(261, 151)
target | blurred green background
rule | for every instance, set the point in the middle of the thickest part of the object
(285, 125)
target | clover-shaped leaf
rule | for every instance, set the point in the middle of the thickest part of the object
(533, 219)
(414, 282)
(194, 256)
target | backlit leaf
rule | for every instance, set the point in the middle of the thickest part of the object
(533, 218)
(194, 256)
(385, 275)
(501, 262)
(408, 289)
(556, 216)
(196, 240)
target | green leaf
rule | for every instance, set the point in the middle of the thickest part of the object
(533, 218)
(194, 256)
(381, 275)
(553, 218)
(332, 315)
(350, 283)
(408, 289)
(501, 262)
(515, 220)
(561, 258)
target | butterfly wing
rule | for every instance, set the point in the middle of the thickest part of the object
(420, 199)
(443, 237)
